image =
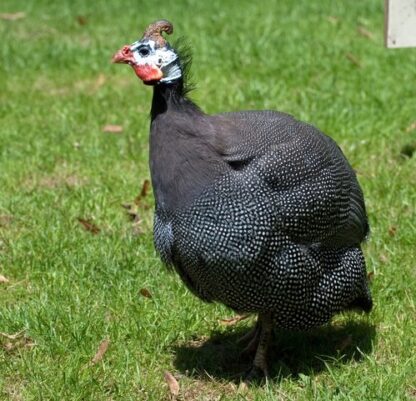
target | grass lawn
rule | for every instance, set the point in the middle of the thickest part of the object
(79, 276)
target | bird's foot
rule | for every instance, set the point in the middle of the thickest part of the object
(256, 374)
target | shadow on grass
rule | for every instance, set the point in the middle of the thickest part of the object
(291, 353)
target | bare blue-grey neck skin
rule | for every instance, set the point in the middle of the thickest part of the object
(146, 52)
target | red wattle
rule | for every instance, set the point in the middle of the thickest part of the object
(148, 72)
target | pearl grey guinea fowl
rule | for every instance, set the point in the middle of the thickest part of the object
(254, 209)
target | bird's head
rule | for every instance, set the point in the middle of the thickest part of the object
(152, 58)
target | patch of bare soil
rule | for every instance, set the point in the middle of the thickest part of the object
(69, 180)
(62, 176)
(5, 220)
(210, 390)
(13, 389)
(16, 341)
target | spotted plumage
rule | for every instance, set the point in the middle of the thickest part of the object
(277, 234)
(255, 210)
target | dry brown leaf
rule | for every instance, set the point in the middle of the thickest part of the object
(365, 32)
(13, 16)
(82, 20)
(233, 320)
(138, 200)
(145, 188)
(133, 208)
(102, 349)
(89, 226)
(354, 59)
(392, 231)
(411, 127)
(172, 384)
(113, 129)
(370, 276)
(4, 279)
(145, 293)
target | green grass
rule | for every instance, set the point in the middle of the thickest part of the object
(69, 289)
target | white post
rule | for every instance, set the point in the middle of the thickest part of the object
(400, 23)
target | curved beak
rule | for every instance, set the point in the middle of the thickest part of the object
(124, 55)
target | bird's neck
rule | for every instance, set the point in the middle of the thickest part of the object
(171, 96)
(182, 161)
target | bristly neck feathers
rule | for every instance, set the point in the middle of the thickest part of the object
(183, 161)
(174, 93)
(171, 95)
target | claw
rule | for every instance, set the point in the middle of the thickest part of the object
(256, 374)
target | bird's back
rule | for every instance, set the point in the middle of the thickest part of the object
(310, 177)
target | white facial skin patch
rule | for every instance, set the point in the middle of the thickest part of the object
(145, 52)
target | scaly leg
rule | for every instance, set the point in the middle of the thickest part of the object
(259, 368)
(250, 339)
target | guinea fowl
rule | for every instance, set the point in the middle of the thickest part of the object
(254, 209)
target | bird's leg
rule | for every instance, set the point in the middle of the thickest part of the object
(259, 368)
(246, 338)
(250, 339)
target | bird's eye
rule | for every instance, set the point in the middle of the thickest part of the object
(143, 51)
